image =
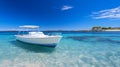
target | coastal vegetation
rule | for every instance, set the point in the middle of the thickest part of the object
(99, 28)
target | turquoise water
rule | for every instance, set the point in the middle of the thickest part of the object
(76, 49)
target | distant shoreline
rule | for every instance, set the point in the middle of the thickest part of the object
(46, 30)
(64, 30)
(111, 30)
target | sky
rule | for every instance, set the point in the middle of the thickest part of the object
(59, 14)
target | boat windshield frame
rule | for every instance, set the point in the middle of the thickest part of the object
(27, 28)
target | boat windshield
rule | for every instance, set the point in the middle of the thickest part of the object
(25, 29)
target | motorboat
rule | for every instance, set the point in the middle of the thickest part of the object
(39, 38)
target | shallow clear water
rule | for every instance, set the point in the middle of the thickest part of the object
(76, 49)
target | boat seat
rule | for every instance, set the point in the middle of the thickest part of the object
(36, 33)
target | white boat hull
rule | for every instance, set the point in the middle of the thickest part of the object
(46, 41)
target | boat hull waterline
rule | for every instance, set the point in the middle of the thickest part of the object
(43, 41)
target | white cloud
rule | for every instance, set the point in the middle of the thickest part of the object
(108, 13)
(65, 7)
